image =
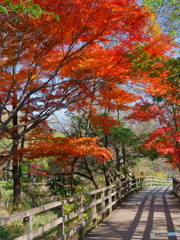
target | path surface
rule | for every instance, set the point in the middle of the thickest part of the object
(154, 209)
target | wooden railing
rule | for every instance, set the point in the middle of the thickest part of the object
(91, 207)
(176, 187)
(157, 181)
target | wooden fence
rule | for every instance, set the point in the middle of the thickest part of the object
(92, 207)
(157, 181)
(176, 187)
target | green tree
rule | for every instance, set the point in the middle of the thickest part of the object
(124, 144)
(167, 14)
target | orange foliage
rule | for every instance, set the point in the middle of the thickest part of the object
(76, 58)
(166, 141)
(62, 150)
(103, 122)
(54, 60)
(161, 104)
(146, 111)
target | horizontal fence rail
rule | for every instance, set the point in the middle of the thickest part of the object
(91, 207)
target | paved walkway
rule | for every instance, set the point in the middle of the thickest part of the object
(154, 209)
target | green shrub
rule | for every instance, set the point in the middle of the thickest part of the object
(34, 195)
(60, 185)
(26, 180)
(6, 185)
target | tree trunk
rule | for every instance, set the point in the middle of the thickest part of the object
(104, 165)
(72, 176)
(105, 174)
(90, 173)
(72, 183)
(16, 168)
(3, 211)
(17, 184)
(124, 160)
(118, 160)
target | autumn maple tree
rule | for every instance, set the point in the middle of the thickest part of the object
(68, 55)
(50, 62)
(64, 153)
(160, 102)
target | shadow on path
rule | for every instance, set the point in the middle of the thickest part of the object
(170, 225)
(130, 232)
(155, 215)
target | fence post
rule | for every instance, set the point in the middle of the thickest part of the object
(27, 222)
(94, 210)
(60, 213)
(118, 190)
(141, 182)
(81, 220)
(110, 200)
(103, 204)
(127, 188)
(176, 187)
(133, 185)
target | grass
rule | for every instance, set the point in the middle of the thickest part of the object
(58, 134)
(11, 231)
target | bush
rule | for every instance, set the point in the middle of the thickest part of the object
(60, 185)
(34, 195)
(157, 174)
(6, 185)
(26, 180)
